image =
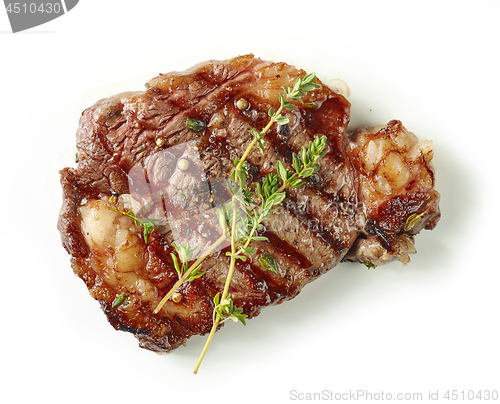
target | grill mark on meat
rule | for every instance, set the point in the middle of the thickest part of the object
(215, 96)
(313, 224)
(261, 285)
(295, 227)
(281, 247)
(178, 319)
(373, 229)
(283, 150)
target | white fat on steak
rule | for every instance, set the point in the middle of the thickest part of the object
(117, 249)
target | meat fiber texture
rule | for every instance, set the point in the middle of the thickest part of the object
(136, 154)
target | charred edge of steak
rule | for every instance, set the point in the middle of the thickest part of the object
(117, 323)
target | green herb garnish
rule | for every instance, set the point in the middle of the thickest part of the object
(119, 300)
(241, 219)
(413, 220)
(185, 253)
(196, 125)
(243, 227)
(268, 262)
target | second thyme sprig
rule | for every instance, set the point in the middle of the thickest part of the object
(305, 164)
(185, 253)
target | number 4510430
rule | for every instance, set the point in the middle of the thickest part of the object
(33, 8)
(471, 395)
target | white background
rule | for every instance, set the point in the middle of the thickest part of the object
(430, 326)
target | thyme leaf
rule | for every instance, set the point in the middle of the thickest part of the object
(268, 262)
(196, 125)
(370, 265)
(119, 300)
(148, 225)
(412, 220)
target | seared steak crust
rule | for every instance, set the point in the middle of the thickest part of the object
(131, 145)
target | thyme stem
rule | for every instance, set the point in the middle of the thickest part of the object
(275, 116)
(226, 288)
(254, 227)
(223, 305)
(263, 131)
(207, 344)
(233, 252)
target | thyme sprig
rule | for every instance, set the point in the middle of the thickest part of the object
(241, 219)
(242, 228)
(147, 224)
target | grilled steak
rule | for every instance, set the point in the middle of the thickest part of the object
(374, 192)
